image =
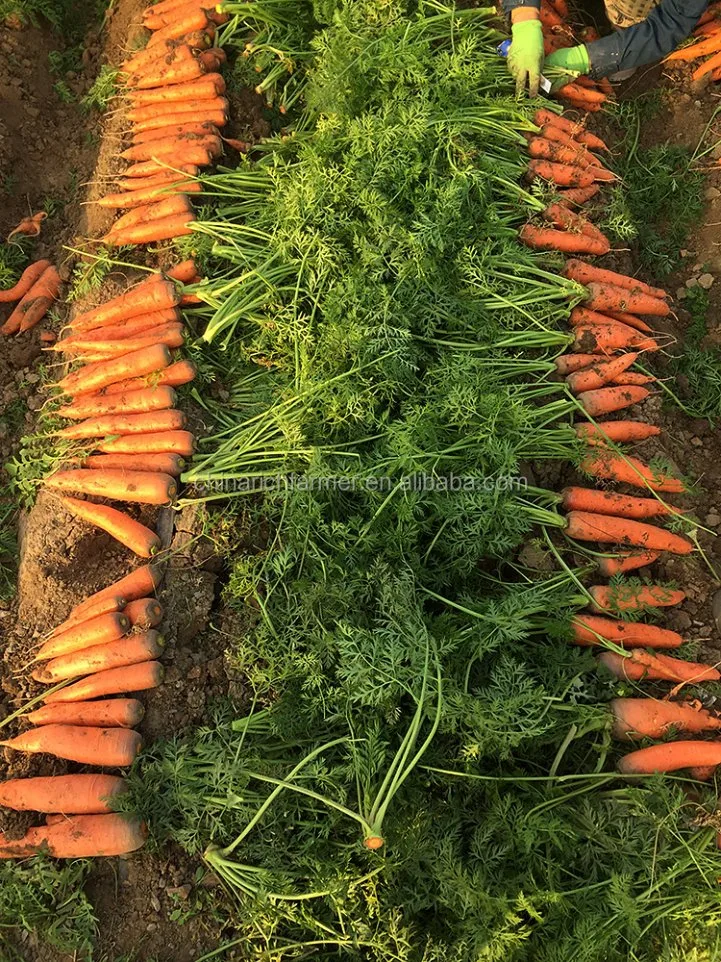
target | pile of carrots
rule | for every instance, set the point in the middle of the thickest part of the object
(176, 111)
(581, 93)
(35, 293)
(707, 44)
(108, 646)
(610, 334)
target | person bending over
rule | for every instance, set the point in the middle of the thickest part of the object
(645, 32)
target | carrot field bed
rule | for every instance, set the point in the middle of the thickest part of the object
(291, 450)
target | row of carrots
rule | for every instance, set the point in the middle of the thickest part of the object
(132, 441)
(609, 335)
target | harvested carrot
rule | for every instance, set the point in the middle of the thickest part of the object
(163, 207)
(608, 399)
(197, 20)
(589, 526)
(131, 402)
(543, 149)
(141, 487)
(185, 272)
(564, 175)
(116, 681)
(104, 747)
(612, 466)
(35, 303)
(197, 106)
(168, 335)
(158, 230)
(206, 87)
(108, 604)
(144, 613)
(134, 535)
(133, 650)
(80, 836)
(140, 325)
(142, 581)
(588, 274)
(574, 128)
(624, 597)
(108, 713)
(708, 46)
(149, 296)
(626, 561)
(569, 363)
(609, 502)
(66, 794)
(635, 718)
(176, 131)
(581, 315)
(171, 176)
(151, 421)
(187, 153)
(592, 629)
(212, 113)
(617, 431)
(163, 147)
(670, 757)
(709, 66)
(159, 75)
(609, 337)
(95, 631)
(545, 238)
(633, 377)
(94, 377)
(565, 219)
(165, 463)
(593, 377)
(582, 94)
(577, 196)
(640, 664)
(162, 442)
(631, 320)
(128, 199)
(28, 277)
(606, 297)
(181, 372)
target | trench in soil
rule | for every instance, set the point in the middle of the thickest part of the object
(52, 150)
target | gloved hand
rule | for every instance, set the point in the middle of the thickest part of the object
(573, 59)
(525, 57)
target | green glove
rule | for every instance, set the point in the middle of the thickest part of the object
(525, 58)
(573, 59)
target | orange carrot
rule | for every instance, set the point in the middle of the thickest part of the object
(564, 175)
(670, 757)
(142, 581)
(199, 107)
(624, 597)
(34, 304)
(635, 718)
(80, 836)
(600, 373)
(609, 502)
(212, 113)
(185, 271)
(190, 154)
(588, 526)
(618, 431)
(606, 297)
(28, 277)
(591, 629)
(582, 315)
(116, 681)
(546, 238)
(141, 487)
(611, 466)
(161, 76)
(640, 664)
(577, 196)
(158, 230)
(631, 320)
(544, 149)
(94, 377)
(633, 377)
(149, 296)
(132, 650)
(112, 424)
(144, 613)
(132, 402)
(163, 147)
(109, 604)
(165, 463)
(176, 131)
(197, 20)
(162, 442)
(206, 87)
(583, 94)
(588, 274)
(94, 348)
(609, 337)
(123, 330)
(608, 399)
(96, 631)
(575, 129)
(626, 561)
(696, 50)
(159, 180)
(110, 713)
(181, 372)
(569, 363)
(104, 747)
(129, 198)
(66, 794)
(163, 207)
(118, 525)
(709, 66)
(565, 219)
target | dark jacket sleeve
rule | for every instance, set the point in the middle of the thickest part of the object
(509, 5)
(661, 32)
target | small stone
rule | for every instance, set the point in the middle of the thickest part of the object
(706, 281)
(32, 111)
(716, 608)
(155, 902)
(711, 193)
(683, 252)
(712, 519)
(692, 282)
(681, 293)
(697, 442)
(181, 891)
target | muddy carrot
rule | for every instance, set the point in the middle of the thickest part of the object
(131, 402)
(141, 487)
(631, 320)
(28, 277)
(577, 196)
(161, 179)
(576, 498)
(142, 581)
(611, 466)
(626, 561)
(157, 230)
(96, 631)
(564, 175)
(608, 399)
(35, 303)
(640, 664)
(128, 199)
(574, 128)
(181, 372)
(197, 20)
(162, 442)
(199, 107)
(588, 274)
(66, 794)
(543, 149)
(203, 88)
(104, 747)
(546, 238)
(708, 46)
(134, 535)
(600, 373)
(94, 377)
(605, 297)
(152, 421)
(188, 153)
(624, 597)
(633, 377)
(569, 363)
(608, 337)
(589, 526)
(133, 650)
(161, 76)
(591, 629)
(165, 463)
(144, 613)
(116, 681)
(212, 113)
(174, 147)
(176, 131)
(108, 713)
(635, 718)
(164, 207)
(79, 836)
(617, 431)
